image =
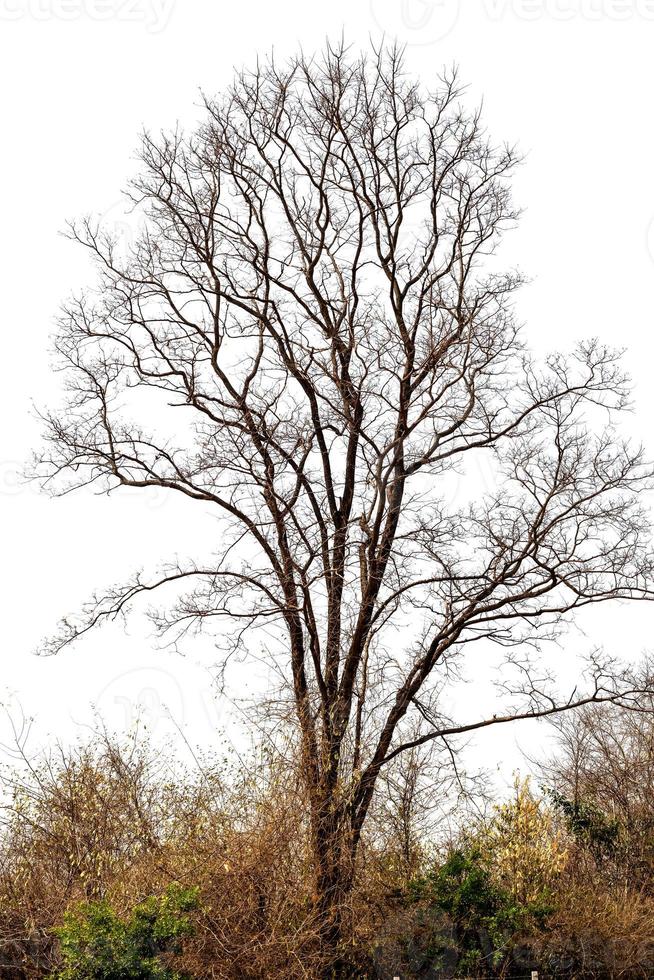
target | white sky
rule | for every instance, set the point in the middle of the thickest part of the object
(572, 81)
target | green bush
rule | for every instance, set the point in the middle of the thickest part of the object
(485, 917)
(97, 944)
(590, 826)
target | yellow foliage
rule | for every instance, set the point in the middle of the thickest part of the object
(522, 845)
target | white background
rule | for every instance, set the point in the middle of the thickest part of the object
(572, 81)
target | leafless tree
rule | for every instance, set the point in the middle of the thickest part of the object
(603, 771)
(311, 335)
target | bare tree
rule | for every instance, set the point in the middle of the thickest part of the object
(602, 777)
(311, 336)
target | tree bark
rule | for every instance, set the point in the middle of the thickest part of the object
(334, 869)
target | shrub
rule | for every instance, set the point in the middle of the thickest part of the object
(97, 944)
(524, 849)
(589, 825)
(495, 889)
(481, 913)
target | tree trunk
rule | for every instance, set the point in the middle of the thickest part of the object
(333, 861)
